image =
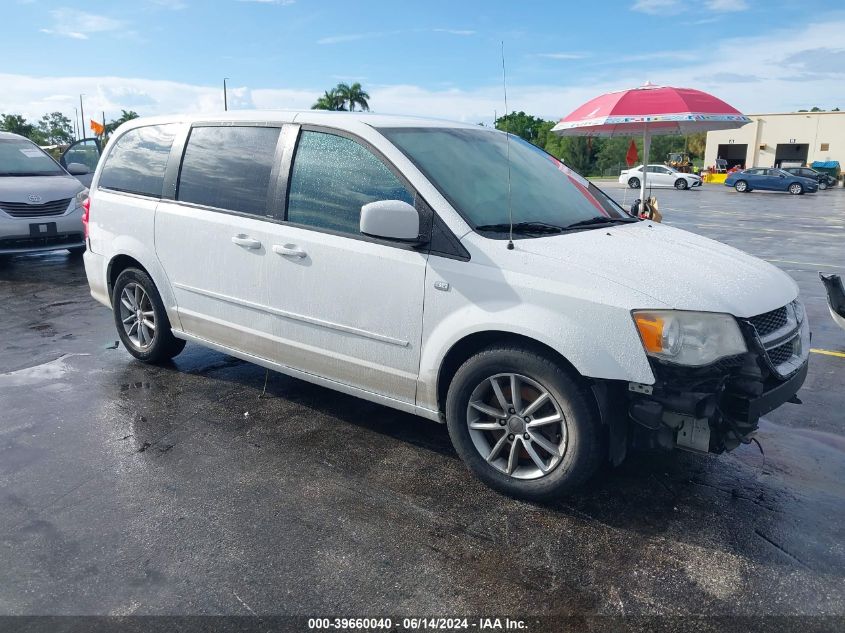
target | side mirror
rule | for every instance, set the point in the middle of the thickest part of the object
(78, 169)
(391, 220)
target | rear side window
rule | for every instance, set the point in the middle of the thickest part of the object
(229, 168)
(333, 177)
(138, 159)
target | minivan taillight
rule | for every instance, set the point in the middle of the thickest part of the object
(86, 210)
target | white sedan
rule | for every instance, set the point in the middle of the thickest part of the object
(659, 176)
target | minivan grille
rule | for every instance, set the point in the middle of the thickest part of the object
(769, 322)
(779, 332)
(26, 210)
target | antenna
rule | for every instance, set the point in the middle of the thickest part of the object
(508, 150)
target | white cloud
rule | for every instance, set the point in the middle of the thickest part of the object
(561, 55)
(79, 25)
(726, 6)
(671, 7)
(173, 5)
(655, 7)
(759, 84)
(455, 31)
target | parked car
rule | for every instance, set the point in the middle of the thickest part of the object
(40, 201)
(824, 180)
(659, 176)
(770, 179)
(373, 255)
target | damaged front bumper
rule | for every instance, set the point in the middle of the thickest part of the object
(716, 407)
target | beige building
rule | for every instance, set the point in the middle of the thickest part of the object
(780, 140)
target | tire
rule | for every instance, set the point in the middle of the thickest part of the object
(576, 435)
(796, 189)
(634, 183)
(154, 344)
(741, 186)
(822, 185)
(681, 184)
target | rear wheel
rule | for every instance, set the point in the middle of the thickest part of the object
(741, 186)
(796, 189)
(634, 183)
(522, 424)
(681, 184)
(141, 320)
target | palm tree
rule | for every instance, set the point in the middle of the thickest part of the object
(125, 115)
(353, 95)
(331, 100)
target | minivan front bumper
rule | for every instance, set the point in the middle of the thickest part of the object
(717, 407)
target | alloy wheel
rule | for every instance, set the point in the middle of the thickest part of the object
(795, 189)
(741, 186)
(137, 315)
(517, 426)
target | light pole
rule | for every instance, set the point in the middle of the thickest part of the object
(225, 100)
(82, 111)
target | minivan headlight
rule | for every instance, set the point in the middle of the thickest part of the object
(80, 197)
(689, 338)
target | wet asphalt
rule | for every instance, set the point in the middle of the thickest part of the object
(209, 486)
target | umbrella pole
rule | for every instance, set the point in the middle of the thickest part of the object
(646, 145)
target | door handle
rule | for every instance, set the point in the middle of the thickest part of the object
(288, 250)
(244, 240)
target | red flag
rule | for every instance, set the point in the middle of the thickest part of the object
(631, 157)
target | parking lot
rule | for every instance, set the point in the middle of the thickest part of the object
(212, 487)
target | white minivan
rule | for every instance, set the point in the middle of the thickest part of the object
(446, 270)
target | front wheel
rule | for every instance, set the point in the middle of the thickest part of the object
(796, 189)
(681, 184)
(522, 424)
(634, 183)
(141, 320)
(741, 186)
(822, 185)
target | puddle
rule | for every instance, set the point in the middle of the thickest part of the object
(45, 372)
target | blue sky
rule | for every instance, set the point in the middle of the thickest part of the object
(436, 58)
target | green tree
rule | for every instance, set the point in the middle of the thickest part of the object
(353, 95)
(331, 100)
(17, 124)
(524, 126)
(125, 115)
(55, 128)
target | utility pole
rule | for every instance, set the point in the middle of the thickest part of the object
(82, 111)
(225, 100)
(76, 121)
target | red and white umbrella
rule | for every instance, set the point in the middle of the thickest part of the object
(650, 110)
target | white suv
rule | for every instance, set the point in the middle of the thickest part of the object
(372, 255)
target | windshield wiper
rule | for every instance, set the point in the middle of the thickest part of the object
(521, 227)
(598, 220)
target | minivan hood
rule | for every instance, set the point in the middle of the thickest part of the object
(679, 269)
(19, 188)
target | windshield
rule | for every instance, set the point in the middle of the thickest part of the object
(470, 169)
(19, 157)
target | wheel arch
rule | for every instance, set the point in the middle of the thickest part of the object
(122, 259)
(466, 347)
(117, 265)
